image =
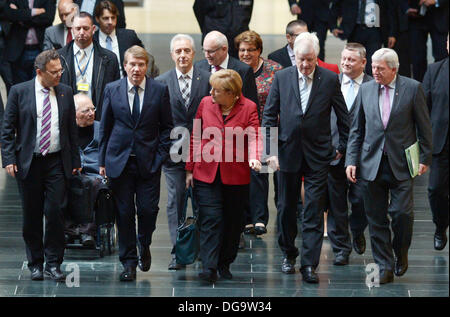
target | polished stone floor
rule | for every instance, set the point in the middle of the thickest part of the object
(256, 270)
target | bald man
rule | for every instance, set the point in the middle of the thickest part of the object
(59, 35)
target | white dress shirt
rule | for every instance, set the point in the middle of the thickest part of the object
(291, 54)
(55, 145)
(305, 96)
(346, 84)
(131, 93)
(87, 78)
(391, 96)
(114, 44)
(224, 65)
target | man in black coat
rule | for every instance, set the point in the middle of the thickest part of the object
(363, 21)
(90, 5)
(230, 17)
(316, 14)
(302, 115)
(87, 66)
(106, 15)
(27, 34)
(215, 47)
(40, 149)
(435, 85)
(5, 26)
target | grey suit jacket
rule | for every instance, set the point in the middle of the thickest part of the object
(409, 121)
(334, 128)
(54, 37)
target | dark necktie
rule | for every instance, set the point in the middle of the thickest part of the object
(136, 103)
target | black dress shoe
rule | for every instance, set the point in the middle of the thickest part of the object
(401, 265)
(225, 273)
(145, 259)
(249, 229)
(208, 276)
(173, 265)
(37, 274)
(128, 274)
(440, 240)
(87, 240)
(54, 273)
(288, 266)
(309, 275)
(259, 230)
(341, 259)
(359, 244)
(386, 277)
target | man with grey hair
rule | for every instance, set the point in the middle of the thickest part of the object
(390, 116)
(353, 62)
(187, 86)
(299, 104)
(215, 48)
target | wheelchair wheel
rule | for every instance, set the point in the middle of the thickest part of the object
(111, 243)
(103, 241)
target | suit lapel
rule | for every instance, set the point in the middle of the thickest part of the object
(126, 104)
(398, 94)
(59, 100)
(286, 56)
(149, 95)
(314, 88)
(32, 102)
(295, 87)
(374, 98)
(176, 88)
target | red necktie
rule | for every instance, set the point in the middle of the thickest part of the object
(217, 68)
(69, 35)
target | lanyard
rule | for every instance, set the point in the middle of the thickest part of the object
(85, 69)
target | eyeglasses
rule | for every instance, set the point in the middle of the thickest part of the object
(85, 111)
(211, 51)
(56, 73)
(295, 35)
(249, 50)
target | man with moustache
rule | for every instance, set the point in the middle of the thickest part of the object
(187, 86)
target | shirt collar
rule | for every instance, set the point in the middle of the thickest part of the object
(38, 85)
(190, 73)
(87, 50)
(310, 76)
(392, 83)
(102, 36)
(358, 80)
(224, 64)
(142, 85)
(290, 51)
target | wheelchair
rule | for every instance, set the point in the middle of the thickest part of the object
(90, 200)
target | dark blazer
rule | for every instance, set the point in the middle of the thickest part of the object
(237, 172)
(54, 37)
(312, 9)
(308, 134)
(409, 121)
(22, 20)
(106, 70)
(19, 128)
(151, 135)
(121, 23)
(348, 9)
(334, 128)
(2, 110)
(439, 17)
(435, 85)
(249, 89)
(281, 56)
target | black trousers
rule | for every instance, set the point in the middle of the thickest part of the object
(400, 209)
(133, 195)
(5, 67)
(339, 188)
(42, 193)
(438, 189)
(321, 28)
(370, 38)
(402, 47)
(312, 217)
(418, 41)
(221, 217)
(258, 211)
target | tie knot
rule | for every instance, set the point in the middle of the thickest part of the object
(217, 68)
(45, 90)
(136, 89)
(108, 39)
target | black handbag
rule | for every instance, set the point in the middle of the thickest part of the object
(188, 243)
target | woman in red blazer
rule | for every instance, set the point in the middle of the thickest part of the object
(224, 146)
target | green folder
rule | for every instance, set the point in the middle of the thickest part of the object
(412, 157)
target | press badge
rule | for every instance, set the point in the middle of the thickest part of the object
(83, 87)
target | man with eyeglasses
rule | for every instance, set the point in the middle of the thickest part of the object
(40, 149)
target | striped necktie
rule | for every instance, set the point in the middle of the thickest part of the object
(44, 139)
(185, 89)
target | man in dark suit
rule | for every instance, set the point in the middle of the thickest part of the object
(60, 35)
(118, 40)
(40, 149)
(90, 5)
(134, 143)
(5, 27)
(230, 17)
(426, 17)
(304, 149)
(87, 66)
(215, 47)
(353, 62)
(29, 21)
(316, 14)
(187, 87)
(363, 22)
(435, 85)
(391, 114)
